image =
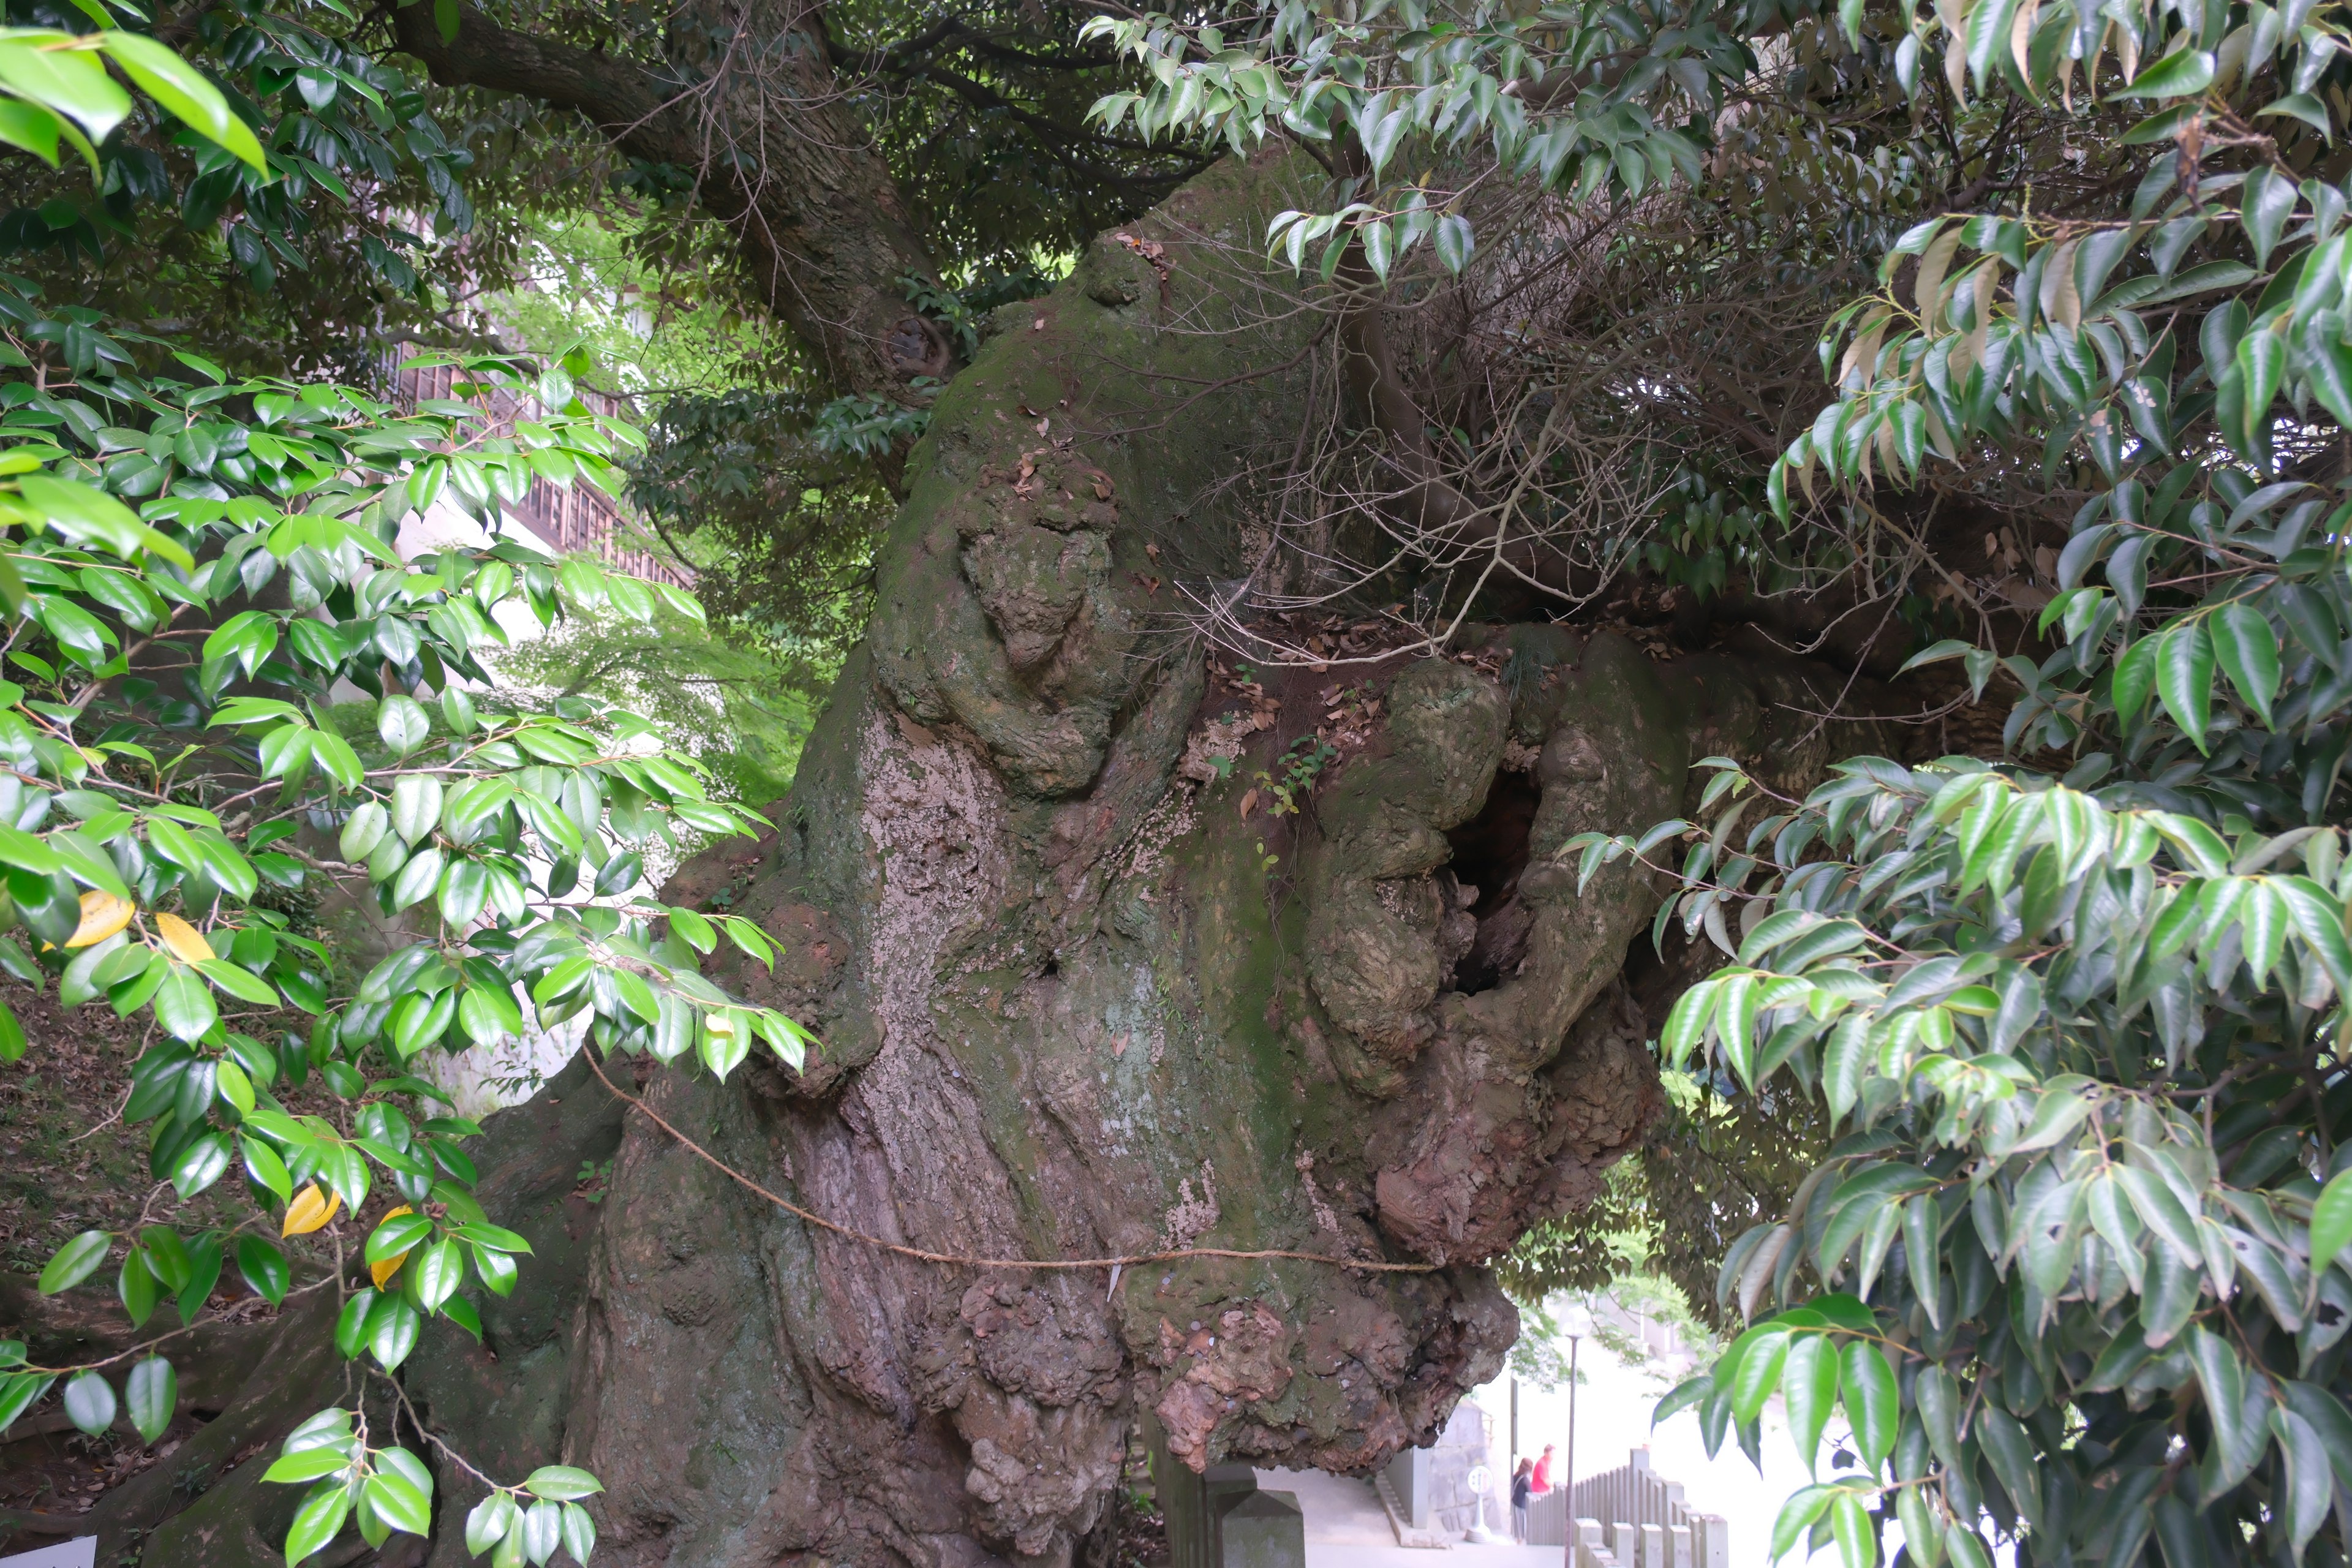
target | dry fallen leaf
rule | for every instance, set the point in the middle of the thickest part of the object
(1248, 800)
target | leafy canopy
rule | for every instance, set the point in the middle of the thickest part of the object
(2075, 1269)
(196, 566)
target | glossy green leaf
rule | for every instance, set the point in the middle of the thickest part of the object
(74, 1262)
(89, 1401)
(152, 1392)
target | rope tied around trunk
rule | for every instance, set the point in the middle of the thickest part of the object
(957, 1259)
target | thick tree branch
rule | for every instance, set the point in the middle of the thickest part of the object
(777, 153)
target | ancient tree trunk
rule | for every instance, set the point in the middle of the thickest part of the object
(1084, 993)
(1074, 1003)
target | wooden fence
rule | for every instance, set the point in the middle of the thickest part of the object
(1631, 1517)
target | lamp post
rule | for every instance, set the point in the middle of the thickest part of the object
(1576, 1322)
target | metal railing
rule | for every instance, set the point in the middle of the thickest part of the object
(565, 518)
(1631, 1517)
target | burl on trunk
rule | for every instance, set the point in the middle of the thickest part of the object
(1077, 1002)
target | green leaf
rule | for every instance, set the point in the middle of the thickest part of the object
(397, 1234)
(264, 1266)
(1939, 1413)
(317, 1521)
(335, 754)
(362, 832)
(2301, 106)
(2176, 75)
(2236, 1445)
(1857, 1544)
(440, 1271)
(1844, 1060)
(2248, 651)
(92, 517)
(183, 1006)
(578, 1532)
(181, 89)
(241, 983)
(489, 1522)
(1965, 1547)
(403, 725)
(2184, 677)
(1809, 1384)
(37, 131)
(1762, 1352)
(309, 1465)
(1687, 1022)
(1873, 1401)
(76, 1261)
(19, 1392)
(2309, 1480)
(1797, 1516)
(1453, 242)
(2331, 1222)
(153, 1393)
(393, 1326)
(400, 1503)
(2006, 1444)
(562, 1483)
(494, 1237)
(2135, 678)
(89, 1401)
(542, 1530)
(262, 1163)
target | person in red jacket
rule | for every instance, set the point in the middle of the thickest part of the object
(1540, 1482)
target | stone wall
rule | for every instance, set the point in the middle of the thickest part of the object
(1433, 1484)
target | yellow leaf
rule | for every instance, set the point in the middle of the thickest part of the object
(102, 914)
(187, 942)
(2060, 301)
(1932, 264)
(384, 1268)
(310, 1211)
(2021, 36)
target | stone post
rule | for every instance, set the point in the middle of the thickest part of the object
(1261, 1530)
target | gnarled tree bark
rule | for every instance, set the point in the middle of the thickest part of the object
(1073, 1005)
(1081, 996)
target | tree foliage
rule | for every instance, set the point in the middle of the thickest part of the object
(198, 564)
(2074, 1268)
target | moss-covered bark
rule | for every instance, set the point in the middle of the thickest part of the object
(1081, 994)
(1076, 1004)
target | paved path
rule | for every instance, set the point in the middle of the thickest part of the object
(1322, 1554)
(1342, 1512)
(1347, 1527)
